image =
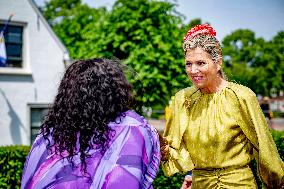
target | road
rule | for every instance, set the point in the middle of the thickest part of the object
(277, 124)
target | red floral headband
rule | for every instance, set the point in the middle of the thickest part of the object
(199, 29)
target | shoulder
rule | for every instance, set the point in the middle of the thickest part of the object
(135, 120)
(242, 91)
(128, 118)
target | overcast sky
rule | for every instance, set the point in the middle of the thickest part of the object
(264, 17)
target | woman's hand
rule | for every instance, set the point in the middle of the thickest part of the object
(187, 182)
(164, 148)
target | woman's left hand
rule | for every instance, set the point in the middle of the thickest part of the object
(187, 182)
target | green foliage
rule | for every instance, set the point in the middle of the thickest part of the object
(72, 20)
(278, 114)
(278, 137)
(12, 159)
(254, 62)
(145, 34)
(55, 9)
(163, 182)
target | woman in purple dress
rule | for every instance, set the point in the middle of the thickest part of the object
(90, 137)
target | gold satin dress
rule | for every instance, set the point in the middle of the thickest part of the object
(217, 135)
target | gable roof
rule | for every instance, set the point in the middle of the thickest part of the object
(44, 21)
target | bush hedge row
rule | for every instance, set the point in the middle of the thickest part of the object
(12, 159)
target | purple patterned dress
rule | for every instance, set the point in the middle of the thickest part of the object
(132, 161)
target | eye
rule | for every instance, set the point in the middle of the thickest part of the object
(201, 63)
(188, 64)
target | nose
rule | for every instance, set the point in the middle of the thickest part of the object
(193, 69)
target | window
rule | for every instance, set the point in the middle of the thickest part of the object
(37, 114)
(14, 45)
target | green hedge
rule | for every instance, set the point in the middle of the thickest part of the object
(278, 137)
(12, 159)
(278, 114)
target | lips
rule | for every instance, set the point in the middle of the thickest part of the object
(197, 78)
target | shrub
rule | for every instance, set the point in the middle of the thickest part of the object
(12, 159)
(278, 137)
(163, 182)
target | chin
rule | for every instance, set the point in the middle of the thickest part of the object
(199, 85)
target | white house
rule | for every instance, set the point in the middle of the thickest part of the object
(35, 64)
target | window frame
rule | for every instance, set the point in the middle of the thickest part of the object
(29, 115)
(24, 70)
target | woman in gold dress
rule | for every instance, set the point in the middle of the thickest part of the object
(216, 127)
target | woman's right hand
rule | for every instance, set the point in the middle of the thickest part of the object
(164, 148)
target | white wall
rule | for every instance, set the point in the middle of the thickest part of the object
(35, 83)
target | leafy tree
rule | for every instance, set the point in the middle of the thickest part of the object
(253, 61)
(70, 20)
(278, 49)
(145, 34)
(55, 9)
(238, 55)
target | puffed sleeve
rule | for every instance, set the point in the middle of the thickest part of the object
(254, 126)
(179, 159)
(154, 156)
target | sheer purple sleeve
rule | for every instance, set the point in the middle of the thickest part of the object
(138, 161)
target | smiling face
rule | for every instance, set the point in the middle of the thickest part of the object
(201, 69)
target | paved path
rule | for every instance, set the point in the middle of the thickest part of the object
(159, 124)
(277, 124)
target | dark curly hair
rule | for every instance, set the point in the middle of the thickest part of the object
(92, 93)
